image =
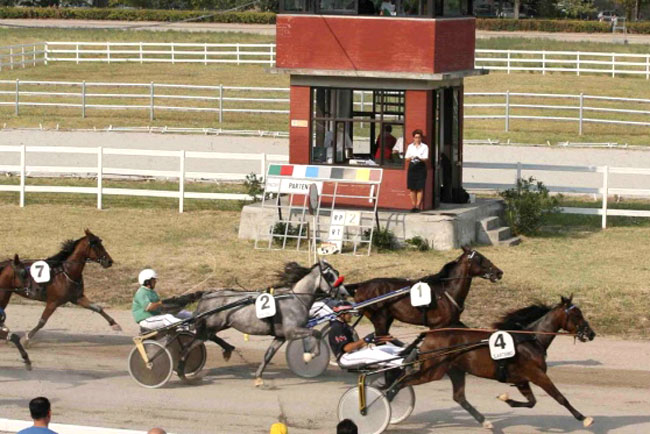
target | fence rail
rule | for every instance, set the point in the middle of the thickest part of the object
(20, 56)
(219, 99)
(100, 170)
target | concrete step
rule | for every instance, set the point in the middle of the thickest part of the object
(514, 241)
(490, 223)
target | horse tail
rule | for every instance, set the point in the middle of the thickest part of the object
(183, 300)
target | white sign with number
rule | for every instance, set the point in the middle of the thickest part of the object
(420, 294)
(338, 218)
(502, 345)
(336, 233)
(40, 271)
(352, 218)
(265, 306)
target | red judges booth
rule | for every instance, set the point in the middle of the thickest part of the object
(365, 74)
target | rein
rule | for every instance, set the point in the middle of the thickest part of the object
(523, 332)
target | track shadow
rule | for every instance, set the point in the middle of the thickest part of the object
(65, 378)
(588, 362)
(59, 336)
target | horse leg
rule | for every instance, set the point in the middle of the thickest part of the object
(4, 299)
(457, 378)
(524, 389)
(225, 346)
(84, 302)
(541, 379)
(270, 352)
(15, 339)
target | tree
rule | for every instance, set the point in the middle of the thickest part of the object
(575, 8)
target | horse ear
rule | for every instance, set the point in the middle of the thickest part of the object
(571, 298)
(466, 249)
(16, 259)
(564, 300)
(87, 232)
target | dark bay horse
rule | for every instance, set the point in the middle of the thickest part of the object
(295, 293)
(13, 276)
(528, 364)
(449, 289)
(66, 282)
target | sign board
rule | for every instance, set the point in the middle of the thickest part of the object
(502, 346)
(299, 123)
(288, 186)
(420, 294)
(40, 271)
(265, 306)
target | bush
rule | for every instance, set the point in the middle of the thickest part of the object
(541, 25)
(418, 243)
(527, 205)
(254, 185)
(383, 239)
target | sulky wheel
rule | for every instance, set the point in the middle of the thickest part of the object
(402, 404)
(295, 352)
(195, 360)
(157, 372)
(377, 416)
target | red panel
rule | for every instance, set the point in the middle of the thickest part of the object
(375, 43)
(299, 140)
(286, 170)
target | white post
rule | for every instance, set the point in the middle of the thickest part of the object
(582, 107)
(141, 57)
(205, 54)
(507, 110)
(508, 64)
(108, 52)
(173, 57)
(647, 67)
(22, 176)
(518, 175)
(262, 164)
(83, 99)
(151, 102)
(237, 51)
(100, 175)
(77, 52)
(613, 65)
(220, 103)
(271, 56)
(181, 182)
(46, 55)
(17, 96)
(22, 58)
(34, 55)
(543, 62)
(11, 58)
(605, 194)
(578, 64)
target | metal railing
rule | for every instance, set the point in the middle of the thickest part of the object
(578, 62)
(20, 56)
(100, 171)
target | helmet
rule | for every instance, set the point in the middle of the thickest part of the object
(146, 274)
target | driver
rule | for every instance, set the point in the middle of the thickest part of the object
(350, 352)
(147, 307)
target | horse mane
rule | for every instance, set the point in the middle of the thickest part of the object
(291, 274)
(444, 273)
(67, 247)
(520, 318)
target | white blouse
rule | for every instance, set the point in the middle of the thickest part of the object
(421, 152)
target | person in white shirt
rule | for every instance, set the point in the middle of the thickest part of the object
(387, 8)
(417, 155)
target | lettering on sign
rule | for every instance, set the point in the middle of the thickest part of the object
(288, 186)
(40, 272)
(420, 294)
(502, 345)
(352, 218)
(338, 218)
(265, 306)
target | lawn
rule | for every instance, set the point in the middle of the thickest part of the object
(606, 270)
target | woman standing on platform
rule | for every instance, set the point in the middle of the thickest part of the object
(416, 157)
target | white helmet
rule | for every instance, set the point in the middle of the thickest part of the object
(146, 274)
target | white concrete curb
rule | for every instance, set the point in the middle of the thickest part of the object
(15, 425)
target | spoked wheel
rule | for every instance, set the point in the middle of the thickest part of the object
(158, 371)
(295, 357)
(402, 404)
(377, 415)
(195, 360)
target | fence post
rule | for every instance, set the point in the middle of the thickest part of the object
(613, 65)
(141, 61)
(22, 176)
(507, 110)
(11, 58)
(647, 67)
(100, 175)
(108, 52)
(271, 56)
(220, 103)
(605, 194)
(173, 57)
(17, 96)
(151, 102)
(181, 182)
(263, 164)
(508, 63)
(237, 51)
(34, 55)
(578, 64)
(77, 53)
(205, 54)
(580, 118)
(22, 57)
(518, 176)
(46, 49)
(543, 62)
(83, 99)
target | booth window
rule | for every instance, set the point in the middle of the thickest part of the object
(386, 8)
(358, 127)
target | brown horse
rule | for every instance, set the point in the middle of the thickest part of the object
(449, 288)
(66, 282)
(13, 276)
(456, 352)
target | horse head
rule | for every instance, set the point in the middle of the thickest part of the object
(574, 321)
(480, 266)
(330, 281)
(96, 250)
(14, 275)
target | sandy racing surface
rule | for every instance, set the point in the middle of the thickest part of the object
(80, 364)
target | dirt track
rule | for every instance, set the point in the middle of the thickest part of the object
(81, 365)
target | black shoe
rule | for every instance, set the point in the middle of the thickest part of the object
(414, 210)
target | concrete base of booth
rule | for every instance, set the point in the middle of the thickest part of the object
(449, 227)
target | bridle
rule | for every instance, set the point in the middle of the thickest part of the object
(581, 329)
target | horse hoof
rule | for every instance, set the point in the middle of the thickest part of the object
(503, 397)
(227, 354)
(26, 342)
(588, 422)
(116, 327)
(259, 382)
(487, 424)
(28, 366)
(307, 357)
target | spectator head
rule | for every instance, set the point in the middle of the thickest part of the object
(279, 428)
(388, 128)
(40, 409)
(346, 426)
(416, 132)
(156, 431)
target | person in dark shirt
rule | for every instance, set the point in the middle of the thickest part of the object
(350, 352)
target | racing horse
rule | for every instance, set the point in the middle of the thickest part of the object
(66, 281)
(449, 289)
(13, 276)
(456, 352)
(297, 289)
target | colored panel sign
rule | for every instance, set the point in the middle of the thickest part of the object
(274, 169)
(286, 170)
(337, 173)
(363, 175)
(288, 185)
(311, 172)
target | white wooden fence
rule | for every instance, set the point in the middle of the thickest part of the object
(100, 170)
(19, 56)
(603, 191)
(219, 99)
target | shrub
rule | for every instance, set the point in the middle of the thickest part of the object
(383, 239)
(559, 25)
(418, 243)
(254, 185)
(527, 205)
